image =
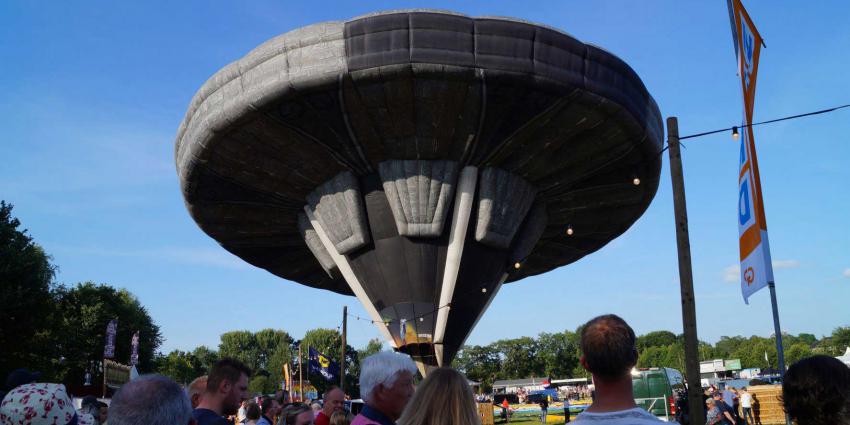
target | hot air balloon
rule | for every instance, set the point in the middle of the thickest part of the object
(418, 160)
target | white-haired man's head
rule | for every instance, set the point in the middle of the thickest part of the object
(150, 399)
(386, 382)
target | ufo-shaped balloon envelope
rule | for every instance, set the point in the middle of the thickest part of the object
(419, 160)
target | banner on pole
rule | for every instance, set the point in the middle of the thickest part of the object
(322, 365)
(134, 349)
(756, 268)
(109, 347)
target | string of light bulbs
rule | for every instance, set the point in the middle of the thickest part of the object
(734, 129)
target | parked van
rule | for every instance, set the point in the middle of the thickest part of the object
(655, 390)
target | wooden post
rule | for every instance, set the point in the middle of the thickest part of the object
(300, 377)
(104, 376)
(342, 351)
(686, 278)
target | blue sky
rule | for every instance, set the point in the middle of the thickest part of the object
(91, 95)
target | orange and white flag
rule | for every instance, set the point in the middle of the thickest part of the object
(756, 268)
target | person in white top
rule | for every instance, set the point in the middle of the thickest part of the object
(609, 353)
(747, 406)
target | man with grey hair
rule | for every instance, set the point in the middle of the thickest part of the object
(386, 385)
(150, 399)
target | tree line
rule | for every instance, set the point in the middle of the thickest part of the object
(557, 355)
(266, 352)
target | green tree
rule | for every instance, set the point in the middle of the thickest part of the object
(808, 339)
(520, 358)
(656, 339)
(728, 345)
(260, 384)
(177, 365)
(559, 353)
(796, 353)
(242, 346)
(840, 338)
(26, 281)
(83, 312)
(479, 363)
(204, 358)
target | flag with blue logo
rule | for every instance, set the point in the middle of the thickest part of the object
(322, 365)
(756, 269)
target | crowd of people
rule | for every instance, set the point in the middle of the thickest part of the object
(816, 391)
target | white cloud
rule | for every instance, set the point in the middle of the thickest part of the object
(846, 273)
(785, 264)
(732, 274)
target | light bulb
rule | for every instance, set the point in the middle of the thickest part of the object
(421, 319)
(483, 290)
(735, 133)
(517, 265)
(569, 230)
(636, 181)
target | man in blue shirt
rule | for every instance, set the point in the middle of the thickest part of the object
(227, 386)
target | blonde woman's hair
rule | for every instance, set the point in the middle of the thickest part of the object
(340, 418)
(444, 397)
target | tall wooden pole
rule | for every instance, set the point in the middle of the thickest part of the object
(300, 377)
(686, 278)
(104, 377)
(342, 351)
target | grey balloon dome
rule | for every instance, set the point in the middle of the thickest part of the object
(367, 149)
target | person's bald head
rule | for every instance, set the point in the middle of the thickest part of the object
(608, 347)
(333, 401)
(197, 389)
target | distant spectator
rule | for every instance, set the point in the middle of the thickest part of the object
(252, 413)
(150, 400)
(386, 385)
(816, 391)
(333, 401)
(609, 353)
(746, 400)
(269, 409)
(241, 413)
(341, 418)
(297, 414)
(443, 397)
(98, 411)
(712, 413)
(227, 386)
(197, 389)
(544, 409)
(38, 404)
(726, 416)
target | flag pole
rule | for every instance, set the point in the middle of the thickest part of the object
(342, 351)
(780, 352)
(776, 329)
